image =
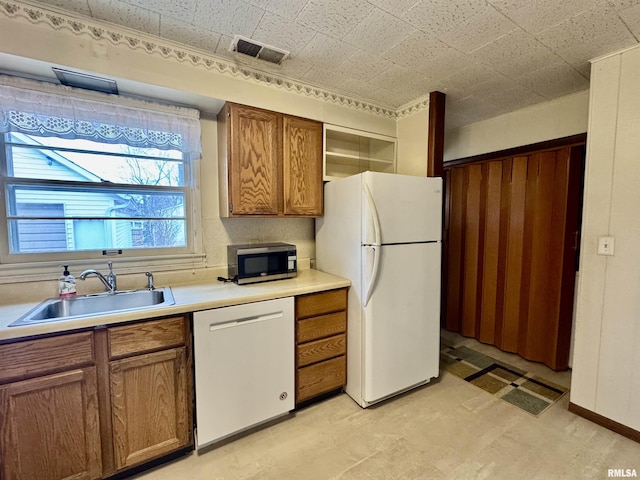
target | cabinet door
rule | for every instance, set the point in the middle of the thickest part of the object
(149, 400)
(255, 175)
(50, 428)
(302, 164)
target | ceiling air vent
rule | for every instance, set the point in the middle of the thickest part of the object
(258, 50)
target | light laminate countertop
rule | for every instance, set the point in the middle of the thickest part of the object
(188, 298)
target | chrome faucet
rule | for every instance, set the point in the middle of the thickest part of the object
(109, 281)
(149, 280)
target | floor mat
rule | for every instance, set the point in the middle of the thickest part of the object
(529, 392)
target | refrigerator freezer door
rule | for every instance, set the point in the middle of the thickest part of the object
(401, 322)
(408, 208)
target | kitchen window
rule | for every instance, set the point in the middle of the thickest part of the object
(88, 174)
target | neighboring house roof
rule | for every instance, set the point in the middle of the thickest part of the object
(60, 159)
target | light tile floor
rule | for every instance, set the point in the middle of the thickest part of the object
(448, 429)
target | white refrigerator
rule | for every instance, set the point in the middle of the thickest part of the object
(383, 232)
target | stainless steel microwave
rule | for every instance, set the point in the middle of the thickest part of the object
(262, 262)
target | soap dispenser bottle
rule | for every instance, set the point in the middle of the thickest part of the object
(66, 283)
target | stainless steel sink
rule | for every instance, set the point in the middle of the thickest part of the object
(55, 309)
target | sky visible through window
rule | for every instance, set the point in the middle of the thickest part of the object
(111, 168)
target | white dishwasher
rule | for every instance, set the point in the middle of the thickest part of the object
(244, 367)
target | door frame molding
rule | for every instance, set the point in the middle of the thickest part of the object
(570, 141)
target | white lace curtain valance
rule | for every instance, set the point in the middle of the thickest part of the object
(109, 118)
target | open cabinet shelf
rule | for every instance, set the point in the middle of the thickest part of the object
(349, 152)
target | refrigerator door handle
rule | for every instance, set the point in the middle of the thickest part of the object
(374, 274)
(374, 215)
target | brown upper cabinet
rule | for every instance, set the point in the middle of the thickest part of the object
(270, 164)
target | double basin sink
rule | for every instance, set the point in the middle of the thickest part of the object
(67, 308)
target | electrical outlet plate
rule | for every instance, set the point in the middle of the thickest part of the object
(606, 245)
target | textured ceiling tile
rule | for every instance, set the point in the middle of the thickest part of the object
(477, 107)
(623, 4)
(631, 16)
(364, 66)
(188, 34)
(282, 33)
(450, 62)
(516, 54)
(496, 83)
(325, 51)
(479, 30)
(592, 33)
(399, 78)
(334, 18)
(535, 16)
(468, 78)
(416, 50)
(555, 80)
(437, 16)
(322, 76)
(182, 10)
(378, 32)
(394, 7)
(288, 9)
(394, 98)
(78, 6)
(224, 45)
(127, 15)
(292, 68)
(229, 17)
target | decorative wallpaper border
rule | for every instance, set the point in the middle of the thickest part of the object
(121, 36)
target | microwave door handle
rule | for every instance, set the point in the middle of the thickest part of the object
(374, 274)
(374, 216)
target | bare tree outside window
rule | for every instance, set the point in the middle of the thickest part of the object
(163, 232)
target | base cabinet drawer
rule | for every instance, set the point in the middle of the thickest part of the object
(321, 343)
(41, 356)
(314, 352)
(320, 327)
(146, 336)
(321, 303)
(321, 378)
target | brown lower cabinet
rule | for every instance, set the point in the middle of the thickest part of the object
(91, 404)
(321, 343)
(50, 428)
(87, 405)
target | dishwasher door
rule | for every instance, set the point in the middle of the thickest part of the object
(244, 367)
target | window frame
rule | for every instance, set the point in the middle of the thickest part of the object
(38, 264)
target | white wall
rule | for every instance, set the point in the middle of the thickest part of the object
(606, 373)
(546, 121)
(413, 132)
